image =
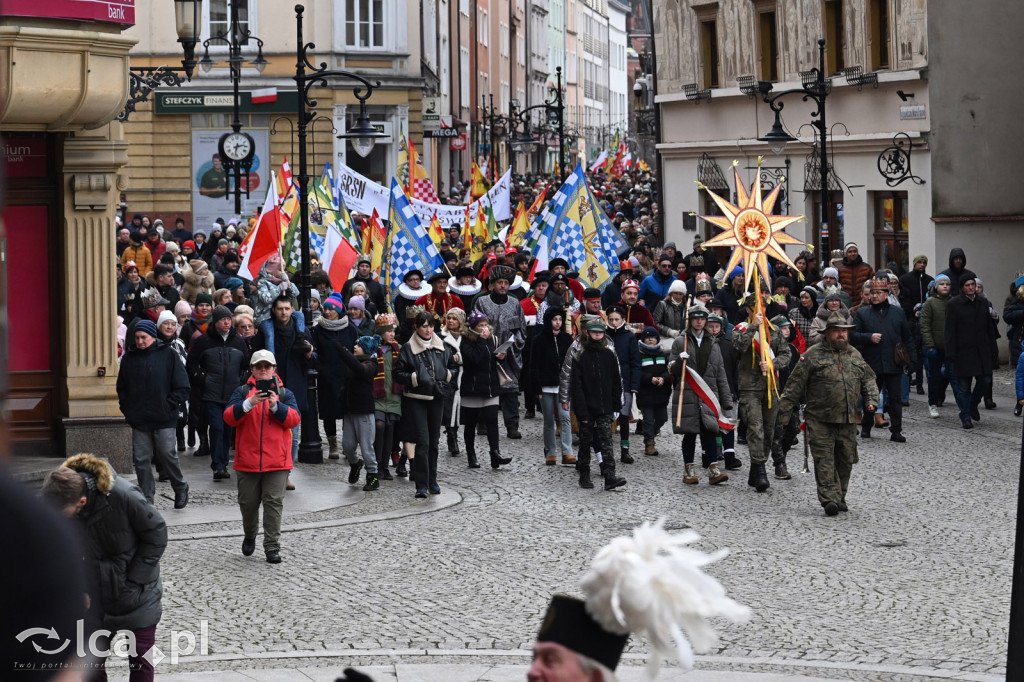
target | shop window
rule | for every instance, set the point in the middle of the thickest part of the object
(891, 230)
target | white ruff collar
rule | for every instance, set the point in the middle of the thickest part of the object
(412, 294)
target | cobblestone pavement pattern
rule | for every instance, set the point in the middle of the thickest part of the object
(912, 584)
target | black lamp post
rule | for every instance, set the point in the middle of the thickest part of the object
(497, 126)
(363, 136)
(555, 109)
(144, 80)
(817, 88)
(237, 149)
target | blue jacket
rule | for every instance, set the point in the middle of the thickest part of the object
(628, 351)
(655, 287)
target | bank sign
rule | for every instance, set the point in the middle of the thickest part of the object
(176, 102)
(121, 12)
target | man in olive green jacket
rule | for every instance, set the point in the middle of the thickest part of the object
(831, 375)
(933, 338)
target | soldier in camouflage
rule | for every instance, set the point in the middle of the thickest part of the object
(831, 376)
(753, 389)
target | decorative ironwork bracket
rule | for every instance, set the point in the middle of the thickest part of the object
(894, 162)
(143, 81)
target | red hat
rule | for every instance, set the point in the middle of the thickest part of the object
(190, 244)
(630, 284)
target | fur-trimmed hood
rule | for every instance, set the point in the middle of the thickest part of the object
(94, 467)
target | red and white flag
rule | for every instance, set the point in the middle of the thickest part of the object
(700, 387)
(265, 238)
(338, 257)
(263, 96)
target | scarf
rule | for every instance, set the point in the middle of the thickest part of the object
(201, 323)
(379, 388)
(333, 325)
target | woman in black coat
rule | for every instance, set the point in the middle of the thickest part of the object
(480, 387)
(547, 352)
(332, 332)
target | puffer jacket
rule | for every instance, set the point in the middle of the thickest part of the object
(479, 366)
(263, 437)
(853, 274)
(627, 350)
(152, 386)
(126, 538)
(889, 321)
(595, 385)
(933, 321)
(653, 364)
(423, 366)
(669, 317)
(706, 359)
(140, 255)
(266, 291)
(219, 364)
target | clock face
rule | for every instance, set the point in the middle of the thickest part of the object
(237, 146)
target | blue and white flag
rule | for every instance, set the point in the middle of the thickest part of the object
(409, 247)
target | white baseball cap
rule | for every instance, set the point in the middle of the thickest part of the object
(263, 356)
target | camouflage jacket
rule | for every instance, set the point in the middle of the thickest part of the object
(830, 383)
(748, 370)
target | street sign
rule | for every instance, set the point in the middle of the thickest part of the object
(442, 132)
(457, 143)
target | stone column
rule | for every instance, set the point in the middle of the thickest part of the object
(91, 188)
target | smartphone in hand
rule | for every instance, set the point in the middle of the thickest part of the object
(265, 386)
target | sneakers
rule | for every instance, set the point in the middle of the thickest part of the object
(248, 546)
(933, 412)
(898, 438)
(690, 474)
(435, 489)
(551, 460)
(831, 509)
(372, 483)
(353, 472)
(568, 459)
(421, 493)
(716, 475)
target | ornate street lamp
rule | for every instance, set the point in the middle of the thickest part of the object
(555, 110)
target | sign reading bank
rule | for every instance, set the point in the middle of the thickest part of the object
(121, 12)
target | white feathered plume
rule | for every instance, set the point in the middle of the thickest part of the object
(652, 584)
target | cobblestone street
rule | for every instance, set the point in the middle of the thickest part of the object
(912, 584)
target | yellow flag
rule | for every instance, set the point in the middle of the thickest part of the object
(480, 184)
(436, 233)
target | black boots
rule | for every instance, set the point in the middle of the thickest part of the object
(191, 436)
(453, 440)
(180, 433)
(497, 460)
(625, 457)
(732, 462)
(611, 479)
(471, 457)
(781, 472)
(585, 481)
(372, 483)
(204, 446)
(758, 478)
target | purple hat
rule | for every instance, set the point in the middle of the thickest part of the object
(475, 318)
(357, 302)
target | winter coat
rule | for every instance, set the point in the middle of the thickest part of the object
(548, 353)
(151, 386)
(706, 359)
(653, 363)
(479, 366)
(830, 382)
(142, 257)
(126, 537)
(669, 317)
(263, 437)
(803, 319)
(748, 370)
(817, 334)
(129, 299)
(654, 288)
(425, 367)
(373, 289)
(289, 347)
(889, 321)
(266, 291)
(332, 373)
(637, 314)
(933, 321)
(913, 290)
(628, 352)
(955, 273)
(595, 386)
(1013, 315)
(198, 279)
(219, 364)
(728, 352)
(357, 397)
(453, 403)
(970, 336)
(853, 274)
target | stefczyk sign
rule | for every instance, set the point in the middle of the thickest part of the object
(121, 12)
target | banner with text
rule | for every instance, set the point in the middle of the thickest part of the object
(363, 195)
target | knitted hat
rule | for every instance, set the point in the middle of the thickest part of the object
(464, 271)
(147, 327)
(664, 258)
(182, 308)
(173, 247)
(232, 283)
(830, 272)
(369, 344)
(810, 291)
(357, 302)
(966, 277)
(475, 318)
(198, 266)
(850, 245)
(669, 245)
(942, 278)
(335, 303)
(385, 322)
(203, 297)
(677, 287)
(650, 333)
(189, 244)
(920, 258)
(231, 257)
(220, 312)
(313, 294)
(784, 281)
(698, 240)
(245, 310)
(166, 316)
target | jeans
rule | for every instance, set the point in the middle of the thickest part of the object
(220, 433)
(359, 429)
(158, 444)
(905, 387)
(424, 424)
(940, 375)
(266, 488)
(966, 399)
(552, 410)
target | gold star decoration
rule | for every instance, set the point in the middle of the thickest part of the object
(752, 229)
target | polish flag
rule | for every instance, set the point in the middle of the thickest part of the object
(338, 258)
(264, 96)
(540, 263)
(265, 238)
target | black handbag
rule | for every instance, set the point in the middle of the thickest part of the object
(900, 355)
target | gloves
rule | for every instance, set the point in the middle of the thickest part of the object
(683, 355)
(931, 352)
(284, 286)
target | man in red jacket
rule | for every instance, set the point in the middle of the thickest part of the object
(637, 316)
(263, 422)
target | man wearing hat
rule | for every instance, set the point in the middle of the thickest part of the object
(636, 314)
(439, 301)
(217, 361)
(151, 388)
(914, 292)
(364, 274)
(701, 260)
(830, 377)
(506, 317)
(656, 285)
(560, 265)
(880, 326)
(970, 347)
(751, 376)
(409, 291)
(467, 287)
(264, 420)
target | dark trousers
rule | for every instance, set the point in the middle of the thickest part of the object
(510, 410)
(220, 434)
(708, 443)
(940, 375)
(891, 384)
(384, 438)
(471, 416)
(654, 418)
(602, 424)
(140, 669)
(331, 428)
(425, 426)
(966, 399)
